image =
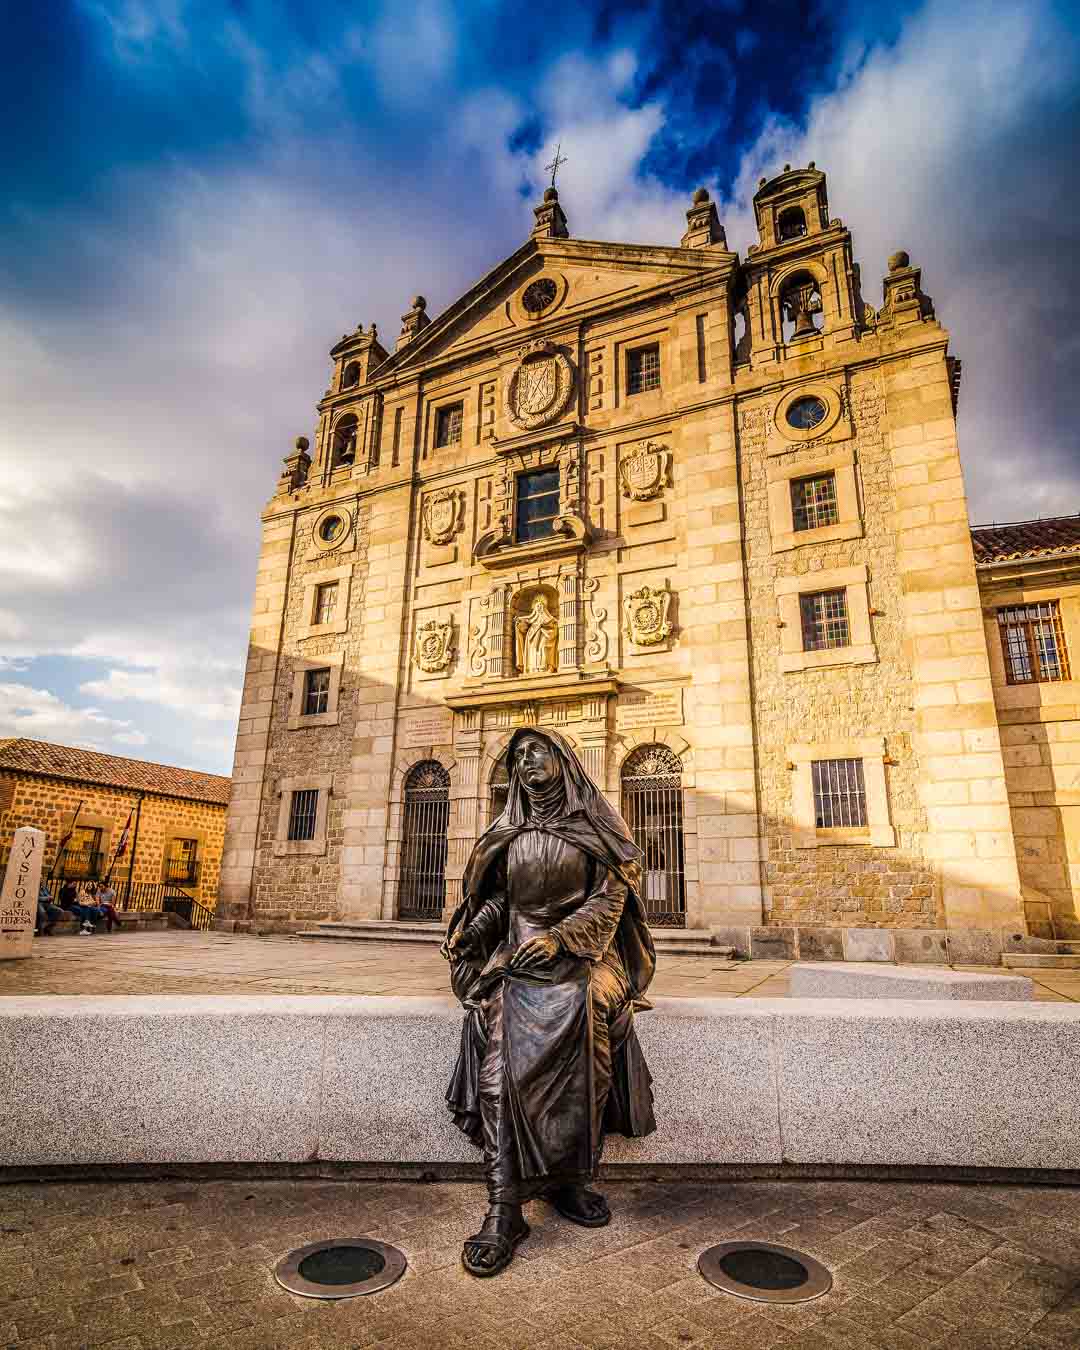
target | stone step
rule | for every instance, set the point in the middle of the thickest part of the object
(1042, 960)
(668, 941)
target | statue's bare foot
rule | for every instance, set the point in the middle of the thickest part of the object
(492, 1249)
(580, 1205)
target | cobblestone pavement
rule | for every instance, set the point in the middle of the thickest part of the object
(152, 1266)
(224, 963)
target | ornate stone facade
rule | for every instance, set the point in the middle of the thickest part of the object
(654, 497)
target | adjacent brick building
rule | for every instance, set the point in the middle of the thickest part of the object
(83, 800)
(703, 514)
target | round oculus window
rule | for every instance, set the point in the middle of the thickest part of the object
(538, 294)
(331, 529)
(806, 413)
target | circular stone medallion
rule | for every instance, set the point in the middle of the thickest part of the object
(540, 388)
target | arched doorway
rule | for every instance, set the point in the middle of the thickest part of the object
(422, 888)
(652, 805)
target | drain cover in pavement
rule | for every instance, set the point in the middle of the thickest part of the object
(764, 1272)
(343, 1268)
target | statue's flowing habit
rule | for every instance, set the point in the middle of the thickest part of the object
(550, 956)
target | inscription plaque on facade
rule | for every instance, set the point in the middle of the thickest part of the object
(664, 708)
(434, 728)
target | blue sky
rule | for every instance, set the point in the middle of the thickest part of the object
(201, 197)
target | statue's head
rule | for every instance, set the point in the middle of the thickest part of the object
(535, 762)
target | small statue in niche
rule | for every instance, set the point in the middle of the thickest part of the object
(536, 638)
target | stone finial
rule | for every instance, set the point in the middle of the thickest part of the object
(550, 218)
(414, 322)
(899, 260)
(295, 473)
(904, 301)
(703, 228)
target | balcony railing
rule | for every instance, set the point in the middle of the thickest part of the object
(182, 871)
(80, 866)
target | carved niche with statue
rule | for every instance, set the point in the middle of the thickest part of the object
(536, 634)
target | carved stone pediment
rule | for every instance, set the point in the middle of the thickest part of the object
(645, 616)
(646, 472)
(441, 515)
(539, 387)
(433, 647)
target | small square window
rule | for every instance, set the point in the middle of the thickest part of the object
(302, 812)
(316, 692)
(839, 794)
(824, 620)
(448, 425)
(813, 502)
(643, 370)
(537, 505)
(1034, 643)
(326, 602)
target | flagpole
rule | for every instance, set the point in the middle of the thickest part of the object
(62, 849)
(134, 846)
(121, 845)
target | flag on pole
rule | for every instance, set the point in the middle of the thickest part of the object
(121, 847)
(62, 846)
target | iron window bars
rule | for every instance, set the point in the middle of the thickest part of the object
(422, 892)
(448, 423)
(1033, 641)
(302, 811)
(643, 370)
(652, 804)
(839, 794)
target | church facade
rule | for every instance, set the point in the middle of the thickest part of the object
(704, 516)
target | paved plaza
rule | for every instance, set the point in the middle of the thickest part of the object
(178, 962)
(164, 1265)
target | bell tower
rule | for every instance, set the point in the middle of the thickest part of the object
(800, 286)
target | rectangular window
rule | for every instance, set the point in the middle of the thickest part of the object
(643, 370)
(839, 794)
(83, 854)
(326, 602)
(1034, 643)
(448, 425)
(537, 504)
(824, 620)
(302, 811)
(316, 692)
(813, 501)
(183, 860)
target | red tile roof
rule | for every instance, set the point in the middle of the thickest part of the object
(1026, 539)
(90, 766)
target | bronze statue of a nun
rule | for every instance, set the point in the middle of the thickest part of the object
(550, 956)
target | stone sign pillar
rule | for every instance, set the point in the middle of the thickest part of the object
(18, 901)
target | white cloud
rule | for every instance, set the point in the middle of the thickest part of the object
(40, 715)
(184, 691)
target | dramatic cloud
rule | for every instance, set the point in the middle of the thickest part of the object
(244, 184)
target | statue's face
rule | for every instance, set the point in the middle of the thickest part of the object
(536, 763)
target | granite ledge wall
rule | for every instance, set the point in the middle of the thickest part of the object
(87, 1081)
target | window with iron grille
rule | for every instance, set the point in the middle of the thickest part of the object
(326, 602)
(182, 863)
(500, 788)
(839, 794)
(422, 892)
(824, 620)
(316, 692)
(652, 805)
(448, 425)
(813, 501)
(537, 504)
(302, 813)
(1034, 643)
(643, 370)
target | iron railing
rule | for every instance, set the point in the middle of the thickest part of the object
(652, 805)
(85, 865)
(182, 871)
(422, 893)
(146, 897)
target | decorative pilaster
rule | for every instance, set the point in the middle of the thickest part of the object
(496, 633)
(568, 621)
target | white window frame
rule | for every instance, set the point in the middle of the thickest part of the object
(878, 831)
(860, 651)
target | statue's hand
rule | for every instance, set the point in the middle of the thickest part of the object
(463, 946)
(537, 951)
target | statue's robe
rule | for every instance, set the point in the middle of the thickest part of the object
(549, 1058)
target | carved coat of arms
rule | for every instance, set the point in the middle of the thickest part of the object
(433, 649)
(646, 472)
(441, 515)
(540, 386)
(645, 616)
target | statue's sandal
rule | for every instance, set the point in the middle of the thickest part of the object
(503, 1241)
(561, 1200)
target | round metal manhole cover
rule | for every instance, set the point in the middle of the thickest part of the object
(343, 1268)
(765, 1272)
